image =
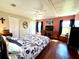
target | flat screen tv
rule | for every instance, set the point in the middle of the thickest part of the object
(49, 28)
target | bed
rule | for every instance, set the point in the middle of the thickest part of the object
(27, 48)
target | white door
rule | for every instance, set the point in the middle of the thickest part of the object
(14, 26)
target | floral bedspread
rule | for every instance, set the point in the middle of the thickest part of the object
(32, 45)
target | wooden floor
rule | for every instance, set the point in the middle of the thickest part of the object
(57, 50)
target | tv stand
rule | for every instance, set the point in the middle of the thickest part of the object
(48, 33)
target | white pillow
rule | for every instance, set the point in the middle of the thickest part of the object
(13, 48)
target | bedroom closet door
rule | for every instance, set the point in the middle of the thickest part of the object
(14, 26)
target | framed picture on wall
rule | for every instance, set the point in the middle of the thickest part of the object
(49, 22)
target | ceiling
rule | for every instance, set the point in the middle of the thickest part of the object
(40, 9)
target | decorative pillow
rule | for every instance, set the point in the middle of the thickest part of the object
(13, 48)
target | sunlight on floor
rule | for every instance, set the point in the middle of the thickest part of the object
(62, 51)
(54, 40)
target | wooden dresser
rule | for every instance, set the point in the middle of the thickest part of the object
(6, 33)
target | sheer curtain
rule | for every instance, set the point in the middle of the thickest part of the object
(76, 23)
(66, 23)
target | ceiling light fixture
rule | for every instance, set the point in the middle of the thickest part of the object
(13, 5)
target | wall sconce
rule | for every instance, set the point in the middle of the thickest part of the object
(2, 20)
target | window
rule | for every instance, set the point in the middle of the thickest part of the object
(76, 23)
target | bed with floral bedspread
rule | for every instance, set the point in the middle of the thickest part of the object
(31, 46)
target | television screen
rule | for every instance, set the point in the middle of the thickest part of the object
(49, 28)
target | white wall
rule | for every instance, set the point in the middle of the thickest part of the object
(15, 24)
(23, 31)
(32, 27)
(5, 25)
